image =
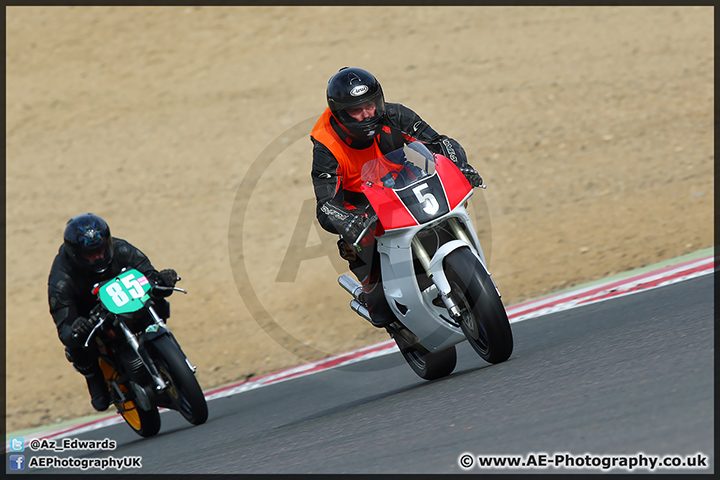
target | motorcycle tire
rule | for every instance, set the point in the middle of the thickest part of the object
(145, 423)
(484, 319)
(183, 389)
(428, 365)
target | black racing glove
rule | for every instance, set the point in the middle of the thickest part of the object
(453, 150)
(347, 224)
(472, 175)
(82, 327)
(164, 278)
(167, 277)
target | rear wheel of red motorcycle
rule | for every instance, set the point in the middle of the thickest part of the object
(484, 320)
(428, 365)
(184, 390)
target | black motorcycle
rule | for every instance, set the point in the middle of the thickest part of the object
(143, 364)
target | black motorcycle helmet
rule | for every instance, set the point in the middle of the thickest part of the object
(351, 87)
(88, 242)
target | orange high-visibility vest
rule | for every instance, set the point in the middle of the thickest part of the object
(350, 160)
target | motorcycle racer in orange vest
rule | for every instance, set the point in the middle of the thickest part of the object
(358, 126)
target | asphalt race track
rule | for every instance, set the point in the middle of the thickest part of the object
(629, 376)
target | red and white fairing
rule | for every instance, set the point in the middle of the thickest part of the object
(393, 213)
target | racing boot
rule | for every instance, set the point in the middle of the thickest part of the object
(378, 307)
(99, 393)
(372, 297)
(86, 364)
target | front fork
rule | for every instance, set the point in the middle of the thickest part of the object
(441, 283)
(135, 345)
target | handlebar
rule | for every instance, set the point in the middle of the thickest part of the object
(92, 332)
(98, 323)
(163, 287)
(368, 223)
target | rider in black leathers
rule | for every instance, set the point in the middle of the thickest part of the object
(90, 255)
(340, 206)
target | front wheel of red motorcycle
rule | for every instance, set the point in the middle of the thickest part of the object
(484, 320)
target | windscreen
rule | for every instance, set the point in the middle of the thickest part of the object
(400, 167)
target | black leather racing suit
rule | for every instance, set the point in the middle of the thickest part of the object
(70, 297)
(400, 127)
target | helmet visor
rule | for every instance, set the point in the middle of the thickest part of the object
(375, 101)
(363, 118)
(96, 259)
(96, 254)
(362, 111)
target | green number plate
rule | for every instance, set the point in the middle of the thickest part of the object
(125, 293)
